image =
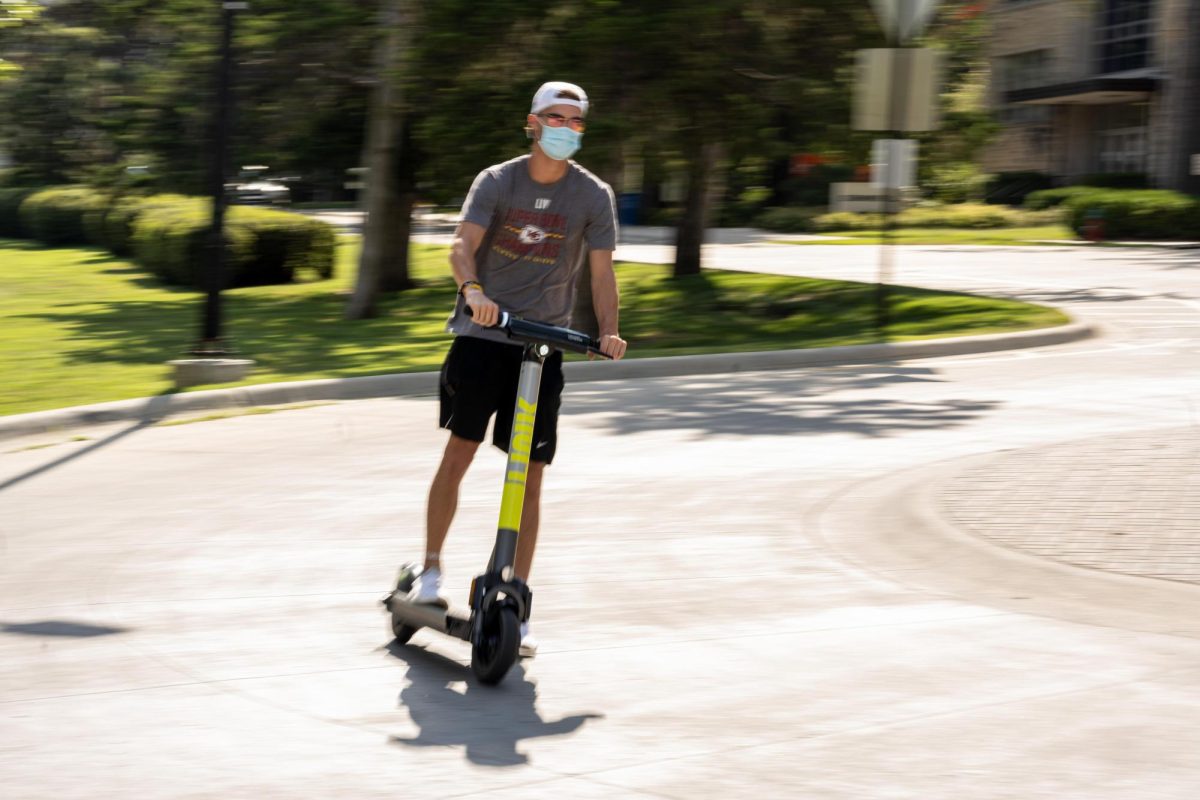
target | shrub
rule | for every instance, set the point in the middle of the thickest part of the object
(168, 234)
(170, 238)
(786, 219)
(1049, 198)
(112, 225)
(283, 245)
(55, 216)
(1136, 213)
(846, 221)
(10, 211)
(962, 215)
(961, 182)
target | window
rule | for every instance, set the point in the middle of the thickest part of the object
(1125, 35)
(1123, 150)
(1024, 71)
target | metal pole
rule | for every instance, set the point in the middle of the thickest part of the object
(211, 342)
(886, 261)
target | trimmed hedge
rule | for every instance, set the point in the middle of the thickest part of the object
(112, 225)
(961, 215)
(1135, 213)
(787, 219)
(168, 234)
(284, 244)
(10, 211)
(262, 247)
(1050, 198)
(56, 216)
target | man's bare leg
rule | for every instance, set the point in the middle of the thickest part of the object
(443, 496)
(530, 517)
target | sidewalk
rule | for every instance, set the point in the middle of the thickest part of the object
(1128, 504)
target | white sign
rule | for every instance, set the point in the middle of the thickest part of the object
(903, 19)
(894, 163)
(897, 89)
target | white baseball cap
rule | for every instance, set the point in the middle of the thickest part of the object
(551, 94)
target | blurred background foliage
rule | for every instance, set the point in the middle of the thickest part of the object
(724, 88)
(701, 110)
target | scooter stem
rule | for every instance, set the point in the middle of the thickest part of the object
(520, 446)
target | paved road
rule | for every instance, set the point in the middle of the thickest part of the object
(758, 584)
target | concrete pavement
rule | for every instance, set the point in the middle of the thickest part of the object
(795, 583)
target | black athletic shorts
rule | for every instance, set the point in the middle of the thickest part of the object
(479, 378)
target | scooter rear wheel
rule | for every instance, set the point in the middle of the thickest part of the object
(404, 584)
(496, 652)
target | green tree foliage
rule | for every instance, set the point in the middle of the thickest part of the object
(722, 92)
(108, 84)
(959, 32)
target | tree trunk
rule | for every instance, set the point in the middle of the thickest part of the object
(689, 236)
(394, 276)
(385, 129)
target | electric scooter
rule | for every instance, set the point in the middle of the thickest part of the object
(499, 600)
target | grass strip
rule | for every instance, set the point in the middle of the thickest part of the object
(80, 326)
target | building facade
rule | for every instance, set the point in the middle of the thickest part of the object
(1087, 87)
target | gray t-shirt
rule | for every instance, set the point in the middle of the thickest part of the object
(537, 237)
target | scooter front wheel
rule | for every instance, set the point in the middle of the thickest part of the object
(496, 651)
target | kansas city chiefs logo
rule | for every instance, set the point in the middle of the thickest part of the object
(531, 234)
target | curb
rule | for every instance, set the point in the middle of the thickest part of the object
(895, 526)
(415, 384)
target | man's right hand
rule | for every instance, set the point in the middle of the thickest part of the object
(483, 311)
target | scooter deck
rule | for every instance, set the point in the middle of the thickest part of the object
(453, 621)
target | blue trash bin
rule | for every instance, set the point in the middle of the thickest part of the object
(629, 208)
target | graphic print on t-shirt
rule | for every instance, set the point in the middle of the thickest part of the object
(535, 236)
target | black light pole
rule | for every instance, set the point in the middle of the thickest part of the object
(211, 341)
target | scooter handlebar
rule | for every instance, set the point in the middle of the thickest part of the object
(529, 332)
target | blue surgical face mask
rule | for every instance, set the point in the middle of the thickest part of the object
(559, 143)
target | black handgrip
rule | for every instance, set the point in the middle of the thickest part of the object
(530, 332)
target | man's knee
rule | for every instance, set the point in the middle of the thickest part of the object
(458, 456)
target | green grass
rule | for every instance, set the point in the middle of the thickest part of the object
(986, 236)
(81, 326)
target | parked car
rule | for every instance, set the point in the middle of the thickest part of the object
(254, 187)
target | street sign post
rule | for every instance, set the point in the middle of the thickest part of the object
(896, 90)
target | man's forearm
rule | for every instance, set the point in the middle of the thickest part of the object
(606, 300)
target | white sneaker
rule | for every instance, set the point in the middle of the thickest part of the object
(529, 643)
(428, 587)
